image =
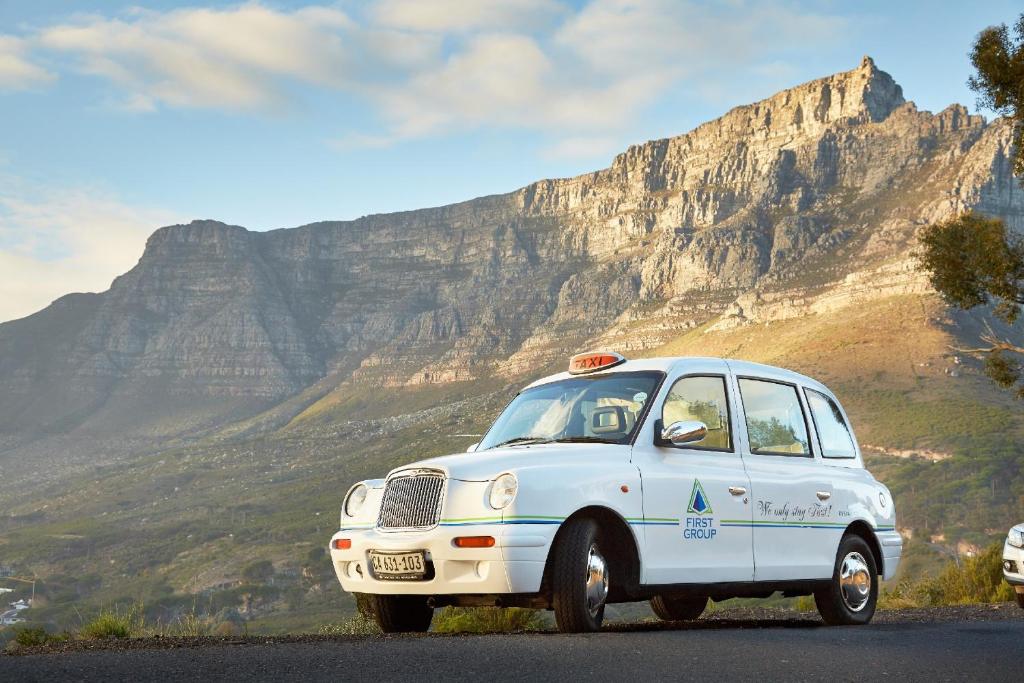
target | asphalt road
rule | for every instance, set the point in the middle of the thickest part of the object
(794, 649)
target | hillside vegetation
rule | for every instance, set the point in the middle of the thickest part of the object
(178, 531)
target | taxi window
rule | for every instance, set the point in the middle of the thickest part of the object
(701, 398)
(775, 419)
(834, 436)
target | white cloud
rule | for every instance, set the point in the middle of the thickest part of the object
(241, 58)
(430, 67)
(510, 80)
(16, 71)
(57, 241)
(449, 16)
(600, 147)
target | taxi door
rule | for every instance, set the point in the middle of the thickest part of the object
(697, 513)
(796, 523)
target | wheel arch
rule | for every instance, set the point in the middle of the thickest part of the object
(866, 531)
(619, 545)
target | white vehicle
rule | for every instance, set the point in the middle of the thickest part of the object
(674, 480)
(1013, 561)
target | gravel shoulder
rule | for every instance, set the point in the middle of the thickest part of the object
(959, 643)
(724, 619)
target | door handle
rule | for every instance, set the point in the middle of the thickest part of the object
(824, 495)
(737, 490)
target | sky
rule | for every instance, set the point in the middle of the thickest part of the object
(118, 118)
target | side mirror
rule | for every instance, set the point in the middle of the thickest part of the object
(472, 448)
(684, 432)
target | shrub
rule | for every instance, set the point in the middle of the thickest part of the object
(974, 580)
(977, 579)
(115, 623)
(30, 636)
(488, 620)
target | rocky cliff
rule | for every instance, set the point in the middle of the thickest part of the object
(800, 204)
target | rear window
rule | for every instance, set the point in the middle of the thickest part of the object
(834, 435)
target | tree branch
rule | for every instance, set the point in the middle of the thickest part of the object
(995, 343)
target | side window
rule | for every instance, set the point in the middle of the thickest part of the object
(701, 398)
(833, 434)
(775, 420)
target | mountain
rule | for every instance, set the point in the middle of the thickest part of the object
(255, 374)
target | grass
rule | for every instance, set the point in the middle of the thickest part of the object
(118, 622)
(488, 620)
(359, 625)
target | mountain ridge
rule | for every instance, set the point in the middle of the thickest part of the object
(802, 202)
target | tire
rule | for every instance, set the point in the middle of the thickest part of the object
(579, 578)
(676, 608)
(401, 613)
(855, 606)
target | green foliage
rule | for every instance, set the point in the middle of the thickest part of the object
(973, 260)
(258, 571)
(974, 580)
(976, 489)
(119, 622)
(359, 625)
(487, 620)
(1005, 370)
(998, 57)
(30, 636)
(977, 579)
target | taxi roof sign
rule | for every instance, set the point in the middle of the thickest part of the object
(582, 363)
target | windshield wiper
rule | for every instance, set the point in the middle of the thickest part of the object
(581, 439)
(522, 441)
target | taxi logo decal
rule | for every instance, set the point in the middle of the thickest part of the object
(699, 503)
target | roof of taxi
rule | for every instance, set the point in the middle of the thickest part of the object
(669, 363)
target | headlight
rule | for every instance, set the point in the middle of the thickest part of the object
(1016, 537)
(503, 491)
(355, 499)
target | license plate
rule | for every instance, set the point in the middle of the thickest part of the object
(410, 566)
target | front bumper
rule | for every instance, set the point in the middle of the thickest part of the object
(1015, 574)
(892, 549)
(514, 565)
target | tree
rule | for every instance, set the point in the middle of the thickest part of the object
(999, 60)
(972, 261)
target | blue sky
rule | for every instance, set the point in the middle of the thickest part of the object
(118, 118)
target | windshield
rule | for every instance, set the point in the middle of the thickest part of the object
(604, 408)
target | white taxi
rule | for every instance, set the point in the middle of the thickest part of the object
(674, 480)
(1013, 561)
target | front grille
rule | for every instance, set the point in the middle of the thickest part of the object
(411, 501)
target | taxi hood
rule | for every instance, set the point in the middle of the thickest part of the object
(488, 464)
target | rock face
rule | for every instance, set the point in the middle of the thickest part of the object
(799, 204)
